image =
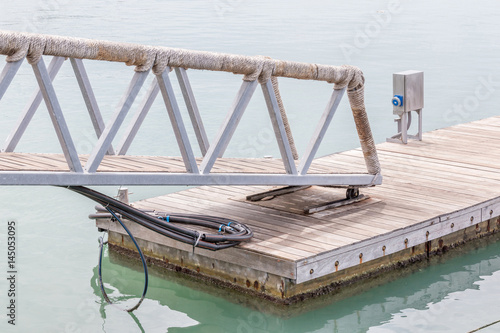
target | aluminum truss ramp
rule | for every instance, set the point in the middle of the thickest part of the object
(73, 168)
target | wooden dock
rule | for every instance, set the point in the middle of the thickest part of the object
(436, 193)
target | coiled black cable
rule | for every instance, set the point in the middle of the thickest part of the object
(162, 223)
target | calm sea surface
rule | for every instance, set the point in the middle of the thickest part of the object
(456, 44)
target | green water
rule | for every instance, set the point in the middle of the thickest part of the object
(456, 44)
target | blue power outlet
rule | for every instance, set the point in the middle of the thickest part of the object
(397, 100)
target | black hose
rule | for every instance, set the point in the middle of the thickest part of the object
(146, 276)
(234, 232)
(162, 223)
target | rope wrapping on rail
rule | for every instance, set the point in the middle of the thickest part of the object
(286, 124)
(19, 45)
(357, 101)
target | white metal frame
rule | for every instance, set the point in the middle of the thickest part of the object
(195, 174)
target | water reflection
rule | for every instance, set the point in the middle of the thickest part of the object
(208, 309)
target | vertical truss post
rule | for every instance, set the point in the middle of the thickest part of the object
(227, 130)
(279, 127)
(320, 131)
(176, 120)
(110, 131)
(29, 111)
(56, 115)
(8, 73)
(89, 98)
(192, 108)
(136, 122)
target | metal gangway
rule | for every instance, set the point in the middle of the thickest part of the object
(101, 166)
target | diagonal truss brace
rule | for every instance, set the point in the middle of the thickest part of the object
(320, 131)
(192, 108)
(279, 127)
(176, 121)
(89, 98)
(8, 73)
(110, 130)
(138, 118)
(227, 130)
(56, 115)
(146, 104)
(31, 107)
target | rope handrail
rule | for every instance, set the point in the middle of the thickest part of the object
(16, 46)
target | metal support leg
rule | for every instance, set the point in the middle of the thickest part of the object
(404, 127)
(419, 134)
(404, 123)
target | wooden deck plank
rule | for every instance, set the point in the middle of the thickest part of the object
(437, 154)
(420, 172)
(462, 169)
(431, 161)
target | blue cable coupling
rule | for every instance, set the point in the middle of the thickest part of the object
(223, 225)
(166, 218)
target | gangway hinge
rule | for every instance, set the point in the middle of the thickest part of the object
(352, 196)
